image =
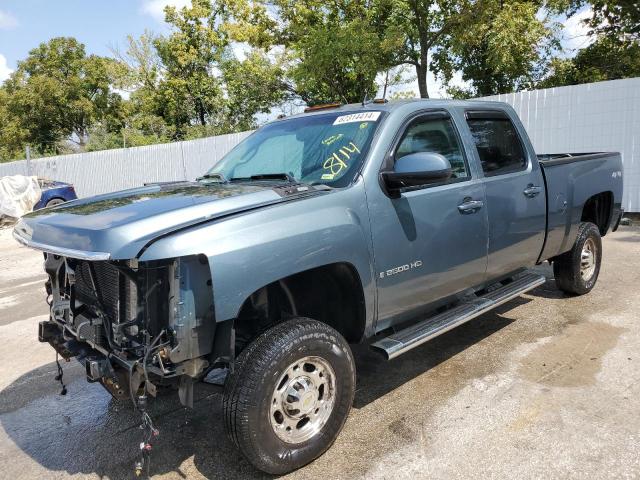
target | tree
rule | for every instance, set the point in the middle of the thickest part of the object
(139, 67)
(189, 91)
(332, 51)
(139, 71)
(204, 87)
(12, 135)
(392, 79)
(606, 59)
(57, 93)
(420, 28)
(615, 53)
(253, 85)
(499, 48)
(618, 19)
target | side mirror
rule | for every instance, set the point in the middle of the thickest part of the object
(416, 169)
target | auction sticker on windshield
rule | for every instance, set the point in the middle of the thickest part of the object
(357, 117)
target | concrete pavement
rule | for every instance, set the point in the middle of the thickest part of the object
(545, 387)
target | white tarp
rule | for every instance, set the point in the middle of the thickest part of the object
(18, 195)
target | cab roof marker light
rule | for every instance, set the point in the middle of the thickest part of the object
(323, 106)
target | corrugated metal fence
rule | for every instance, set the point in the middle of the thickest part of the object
(603, 116)
(110, 170)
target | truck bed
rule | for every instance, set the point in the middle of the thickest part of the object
(571, 180)
(550, 159)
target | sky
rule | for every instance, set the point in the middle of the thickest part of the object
(100, 25)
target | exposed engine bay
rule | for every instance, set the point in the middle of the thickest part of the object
(135, 326)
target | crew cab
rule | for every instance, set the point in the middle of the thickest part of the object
(385, 223)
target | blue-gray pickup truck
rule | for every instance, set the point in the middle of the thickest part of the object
(385, 223)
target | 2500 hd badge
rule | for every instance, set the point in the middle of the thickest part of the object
(402, 268)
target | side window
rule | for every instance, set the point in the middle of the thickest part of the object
(434, 136)
(498, 144)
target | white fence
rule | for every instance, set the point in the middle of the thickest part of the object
(111, 170)
(603, 116)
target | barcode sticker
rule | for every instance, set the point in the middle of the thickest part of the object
(357, 117)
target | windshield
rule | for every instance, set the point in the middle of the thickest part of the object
(316, 149)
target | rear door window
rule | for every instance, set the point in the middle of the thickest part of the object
(498, 144)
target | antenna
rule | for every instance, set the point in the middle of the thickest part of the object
(365, 100)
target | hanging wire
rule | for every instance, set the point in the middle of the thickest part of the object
(147, 426)
(60, 375)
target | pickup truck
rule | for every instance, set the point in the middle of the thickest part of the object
(384, 222)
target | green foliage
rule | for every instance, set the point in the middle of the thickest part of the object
(614, 54)
(500, 48)
(143, 130)
(203, 89)
(402, 95)
(422, 30)
(618, 19)
(12, 135)
(334, 51)
(333, 67)
(606, 59)
(57, 93)
(189, 91)
(253, 85)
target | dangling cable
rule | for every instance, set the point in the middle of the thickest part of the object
(59, 376)
(147, 426)
(145, 446)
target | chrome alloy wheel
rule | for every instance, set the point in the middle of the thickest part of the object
(588, 260)
(303, 399)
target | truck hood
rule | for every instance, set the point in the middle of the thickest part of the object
(119, 225)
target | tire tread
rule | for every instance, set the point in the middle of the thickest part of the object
(566, 267)
(243, 383)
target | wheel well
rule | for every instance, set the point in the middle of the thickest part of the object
(598, 209)
(331, 294)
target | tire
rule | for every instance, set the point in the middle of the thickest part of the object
(53, 202)
(261, 415)
(577, 275)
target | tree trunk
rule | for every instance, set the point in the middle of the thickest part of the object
(421, 73)
(386, 84)
(200, 112)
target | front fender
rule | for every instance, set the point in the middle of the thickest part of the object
(251, 250)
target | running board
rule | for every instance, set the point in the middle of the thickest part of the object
(404, 340)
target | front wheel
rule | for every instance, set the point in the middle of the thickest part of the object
(576, 271)
(289, 395)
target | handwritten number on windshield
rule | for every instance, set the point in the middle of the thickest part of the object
(337, 161)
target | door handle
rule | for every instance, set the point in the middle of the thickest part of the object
(470, 206)
(532, 190)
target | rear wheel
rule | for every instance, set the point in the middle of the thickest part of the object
(53, 202)
(576, 271)
(289, 395)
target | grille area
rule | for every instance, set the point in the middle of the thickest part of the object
(115, 296)
(110, 284)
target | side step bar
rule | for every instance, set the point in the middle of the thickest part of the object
(417, 334)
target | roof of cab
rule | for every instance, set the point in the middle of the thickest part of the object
(394, 104)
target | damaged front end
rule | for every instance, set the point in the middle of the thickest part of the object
(136, 326)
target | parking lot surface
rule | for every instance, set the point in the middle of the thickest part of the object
(547, 386)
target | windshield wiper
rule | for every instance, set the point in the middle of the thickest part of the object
(211, 176)
(266, 176)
